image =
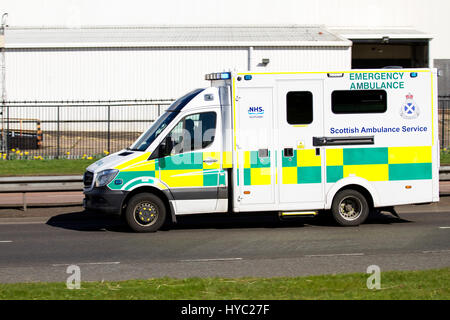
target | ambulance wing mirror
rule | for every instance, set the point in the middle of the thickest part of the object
(164, 149)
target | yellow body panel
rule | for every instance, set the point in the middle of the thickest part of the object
(247, 160)
(142, 166)
(260, 176)
(370, 172)
(409, 154)
(289, 175)
(213, 155)
(136, 160)
(227, 159)
(335, 157)
(308, 158)
(182, 178)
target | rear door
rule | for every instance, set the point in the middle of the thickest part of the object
(300, 118)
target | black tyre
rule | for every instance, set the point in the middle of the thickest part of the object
(350, 208)
(145, 212)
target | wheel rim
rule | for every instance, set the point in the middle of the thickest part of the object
(145, 213)
(350, 208)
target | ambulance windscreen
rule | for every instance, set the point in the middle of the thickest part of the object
(146, 139)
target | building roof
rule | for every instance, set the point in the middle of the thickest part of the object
(172, 36)
(380, 33)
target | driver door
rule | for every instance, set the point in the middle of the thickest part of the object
(191, 168)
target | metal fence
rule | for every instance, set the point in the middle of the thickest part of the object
(444, 121)
(84, 129)
(76, 129)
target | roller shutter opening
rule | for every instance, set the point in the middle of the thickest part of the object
(402, 53)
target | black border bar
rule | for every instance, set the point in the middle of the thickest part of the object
(342, 141)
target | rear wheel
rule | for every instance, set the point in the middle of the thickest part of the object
(350, 208)
(145, 212)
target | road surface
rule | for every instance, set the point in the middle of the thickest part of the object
(40, 244)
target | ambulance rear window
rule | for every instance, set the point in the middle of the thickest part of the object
(358, 101)
(299, 107)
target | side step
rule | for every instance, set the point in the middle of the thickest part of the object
(297, 214)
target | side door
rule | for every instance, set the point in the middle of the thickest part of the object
(301, 170)
(255, 149)
(191, 168)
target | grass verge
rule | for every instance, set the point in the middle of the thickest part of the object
(445, 157)
(43, 167)
(429, 284)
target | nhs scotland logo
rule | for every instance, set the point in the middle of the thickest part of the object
(255, 112)
(409, 109)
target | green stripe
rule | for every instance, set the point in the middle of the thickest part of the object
(128, 176)
(290, 161)
(355, 156)
(247, 177)
(184, 161)
(334, 173)
(210, 178)
(309, 174)
(138, 182)
(222, 177)
(410, 171)
(257, 162)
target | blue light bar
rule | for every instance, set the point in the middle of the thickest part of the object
(413, 74)
(218, 76)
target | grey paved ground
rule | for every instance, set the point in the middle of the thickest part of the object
(39, 244)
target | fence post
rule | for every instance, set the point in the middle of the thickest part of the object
(57, 133)
(7, 132)
(443, 125)
(109, 130)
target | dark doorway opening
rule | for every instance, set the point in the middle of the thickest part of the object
(373, 53)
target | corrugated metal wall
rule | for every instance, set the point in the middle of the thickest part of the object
(302, 58)
(145, 73)
(109, 74)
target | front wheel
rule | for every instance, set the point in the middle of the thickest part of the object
(350, 208)
(145, 212)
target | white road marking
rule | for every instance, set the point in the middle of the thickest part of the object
(435, 251)
(212, 259)
(5, 241)
(29, 222)
(84, 263)
(444, 227)
(334, 255)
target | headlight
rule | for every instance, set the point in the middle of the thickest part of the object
(104, 177)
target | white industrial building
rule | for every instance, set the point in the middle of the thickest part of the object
(155, 62)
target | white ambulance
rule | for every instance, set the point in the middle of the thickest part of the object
(297, 143)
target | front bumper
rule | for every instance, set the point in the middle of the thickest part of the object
(104, 200)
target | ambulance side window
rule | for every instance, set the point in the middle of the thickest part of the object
(299, 107)
(193, 132)
(358, 101)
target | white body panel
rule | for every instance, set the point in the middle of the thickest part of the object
(398, 167)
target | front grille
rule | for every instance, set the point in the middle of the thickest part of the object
(87, 179)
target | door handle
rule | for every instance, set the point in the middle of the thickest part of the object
(210, 160)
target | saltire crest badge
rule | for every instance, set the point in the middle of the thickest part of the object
(409, 109)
